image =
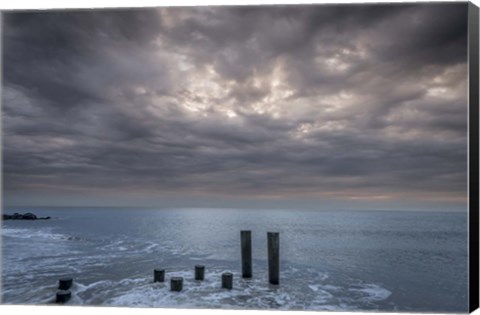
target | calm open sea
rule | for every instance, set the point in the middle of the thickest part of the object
(330, 260)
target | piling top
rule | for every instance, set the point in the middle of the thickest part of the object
(65, 283)
(177, 278)
(158, 269)
(199, 266)
(228, 274)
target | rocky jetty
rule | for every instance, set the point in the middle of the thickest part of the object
(26, 216)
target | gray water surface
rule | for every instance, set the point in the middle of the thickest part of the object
(330, 260)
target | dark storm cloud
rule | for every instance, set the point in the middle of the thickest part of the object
(47, 52)
(285, 101)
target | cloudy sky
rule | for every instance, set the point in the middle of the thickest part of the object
(355, 107)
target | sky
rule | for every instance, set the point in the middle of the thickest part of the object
(318, 107)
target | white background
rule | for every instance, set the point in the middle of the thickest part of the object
(46, 4)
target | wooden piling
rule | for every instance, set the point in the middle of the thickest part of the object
(63, 296)
(246, 246)
(273, 257)
(158, 275)
(199, 272)
(176, 284)
(227, 280)
(65, 283)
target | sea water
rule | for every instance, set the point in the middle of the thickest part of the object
(329, 260)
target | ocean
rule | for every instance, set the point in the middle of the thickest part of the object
(329, 260)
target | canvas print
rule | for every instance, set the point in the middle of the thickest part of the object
(282, 157)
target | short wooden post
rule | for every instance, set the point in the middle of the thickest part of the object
(246, 245)
(176, 284)
(158, 275)
(273, 257)
(227, 280)
(65, 283)
(63, 296)
(199, 272)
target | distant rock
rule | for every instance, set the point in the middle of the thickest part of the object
(29, 216)
(26, 216)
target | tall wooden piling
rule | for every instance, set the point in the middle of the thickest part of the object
(199, 272)
(227, 280)
(65, 283)
(176, 284)
(273, 257)
(246, 245)
(158, 275)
